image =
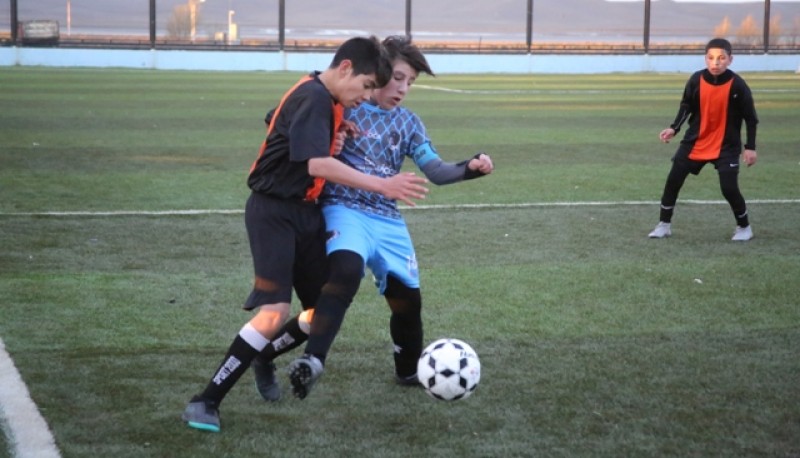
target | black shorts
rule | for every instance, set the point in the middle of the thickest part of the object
(287, 241)
(722, 164)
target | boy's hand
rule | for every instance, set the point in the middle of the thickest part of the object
(349, 128)
(666, 135)
(482, 163)
(749, 156)
(346, 129)
(404, 187)
(338, 142)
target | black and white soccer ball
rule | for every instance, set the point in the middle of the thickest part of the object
(449, 369)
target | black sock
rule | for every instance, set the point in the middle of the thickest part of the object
(742, 220)
(407, 337)
(328, 318)
(665, 215)
(235, 363)
(405, 325)
(289, 337)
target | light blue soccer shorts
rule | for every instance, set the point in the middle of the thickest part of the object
(384, 243)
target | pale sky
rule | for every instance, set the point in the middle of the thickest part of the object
(708, 1)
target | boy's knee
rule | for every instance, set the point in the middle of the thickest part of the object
(270, 317)
(346, 270)
(401, 298)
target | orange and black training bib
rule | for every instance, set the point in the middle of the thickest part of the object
(713, 121)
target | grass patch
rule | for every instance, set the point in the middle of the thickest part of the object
(593, 339)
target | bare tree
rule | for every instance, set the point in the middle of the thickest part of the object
(775, 31)
(748, 32)
(179, 25)
(794, 36)
(723, 28)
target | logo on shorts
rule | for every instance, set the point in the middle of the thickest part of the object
(332, 235)
(413, 267)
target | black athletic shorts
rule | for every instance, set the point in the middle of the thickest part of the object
(723, 164)
(287, 241)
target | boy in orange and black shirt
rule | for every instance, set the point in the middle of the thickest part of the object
(715, 101)
(284, 222)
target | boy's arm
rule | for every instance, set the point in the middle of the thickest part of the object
(441, 172)
(749, 155)
(682, 116)
(750, 118)
(685, 108)
(402, 187)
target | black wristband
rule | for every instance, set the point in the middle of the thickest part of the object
(471, 174)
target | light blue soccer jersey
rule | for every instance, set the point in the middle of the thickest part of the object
(386, 139)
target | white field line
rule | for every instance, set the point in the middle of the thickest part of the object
(404, 208)
(25, 428)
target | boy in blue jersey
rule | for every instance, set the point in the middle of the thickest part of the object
(366, 229)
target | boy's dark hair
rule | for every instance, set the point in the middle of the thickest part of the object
(720, 43)
(367, 56)
(398, 46)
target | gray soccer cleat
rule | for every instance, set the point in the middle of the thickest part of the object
(266, 382)
(304, 373)
(742, 234)
(662, 230)
(201, 414)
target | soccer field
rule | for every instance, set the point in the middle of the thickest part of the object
(124, 262)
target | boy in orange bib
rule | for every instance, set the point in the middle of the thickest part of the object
(715, 102)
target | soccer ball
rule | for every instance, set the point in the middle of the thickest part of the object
(449, 369)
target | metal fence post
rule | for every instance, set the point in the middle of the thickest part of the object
(408, 18)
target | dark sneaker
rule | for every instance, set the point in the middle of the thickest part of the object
(304, 373)
(409, 380)
(266, 382)
(202, 414)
